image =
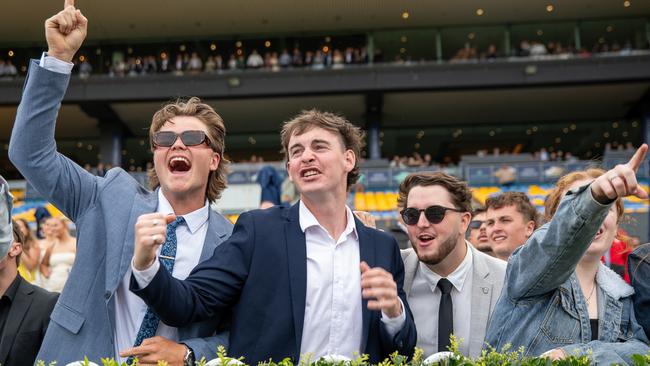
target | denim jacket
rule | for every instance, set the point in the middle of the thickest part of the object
(542, 307)
(639, 268)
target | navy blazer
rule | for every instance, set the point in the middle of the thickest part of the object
(260, 274)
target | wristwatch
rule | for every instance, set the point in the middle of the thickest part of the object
(189, 356)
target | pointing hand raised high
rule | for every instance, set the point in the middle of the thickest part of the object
(65, 32)
(621, 180)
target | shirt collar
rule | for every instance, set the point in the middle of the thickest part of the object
(457, 277)
(13, 288)
(308, 220)
(194, 219)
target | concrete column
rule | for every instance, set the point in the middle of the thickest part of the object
(438, 46)
(370, 47)
(576, 36)
(110, 145)
(374, 106)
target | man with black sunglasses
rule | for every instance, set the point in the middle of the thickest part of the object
(452, 287)
(477, 231)
(96, 315)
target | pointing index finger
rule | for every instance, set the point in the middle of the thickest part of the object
(638, 158)
(68, 3)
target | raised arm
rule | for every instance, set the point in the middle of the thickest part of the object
(551, 254)
(32, 148)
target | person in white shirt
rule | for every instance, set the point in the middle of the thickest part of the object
(451, 287)
(301, 282)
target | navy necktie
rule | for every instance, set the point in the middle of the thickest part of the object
(167, 256)
(445, 315)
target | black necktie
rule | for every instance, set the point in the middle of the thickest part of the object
(445, 315)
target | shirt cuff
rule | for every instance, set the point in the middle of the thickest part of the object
(55, 65)
(144, 277)
(393, 325)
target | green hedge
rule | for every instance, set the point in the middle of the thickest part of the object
(487, 358)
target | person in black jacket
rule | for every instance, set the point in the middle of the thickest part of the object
(24, 308)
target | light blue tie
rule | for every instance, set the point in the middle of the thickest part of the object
(167, 256)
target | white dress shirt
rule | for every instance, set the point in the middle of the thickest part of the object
(130, 309)
(333, 322)
(424, 300)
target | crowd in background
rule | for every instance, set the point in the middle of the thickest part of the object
(48, 252)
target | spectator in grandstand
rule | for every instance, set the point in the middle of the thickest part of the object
(96, 315)
(477, 231)
(254, 61)
(491, 53)
(285, 59)
(511, 220)
(59, 255)
(195, 65)
(506, 175)
(24, 308)
(558, 298)
(291, 267)
(85, 69)
(296, 57)
(639, 266)
(210, 65)
(31, 252)
(445, 277)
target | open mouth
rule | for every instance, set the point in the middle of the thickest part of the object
(499, 238)
(179, 164)
(309, 173)
(425, 239)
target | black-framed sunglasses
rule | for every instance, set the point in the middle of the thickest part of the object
(475, 224)
(189, 138)
(435, 214)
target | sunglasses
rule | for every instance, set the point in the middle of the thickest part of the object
(189, 138)
(475, 224)
(435, 214)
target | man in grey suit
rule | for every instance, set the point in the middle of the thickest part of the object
(451, 287)
(96, 315)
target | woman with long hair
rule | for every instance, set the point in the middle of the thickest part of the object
(558, 298)
(639, 267)
(31, 255)
(59, 255)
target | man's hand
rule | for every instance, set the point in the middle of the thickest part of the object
(554, 354)
(378, 284)
(65, 32)
(150, 232)
(621, 180)
(157, 348)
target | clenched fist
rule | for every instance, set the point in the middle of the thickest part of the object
(65, 32)
(150, 233)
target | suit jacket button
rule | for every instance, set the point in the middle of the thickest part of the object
(107, 295)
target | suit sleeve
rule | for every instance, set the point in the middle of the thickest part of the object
(210, 289)
(405, 339)
(32, 148)
(207, 347)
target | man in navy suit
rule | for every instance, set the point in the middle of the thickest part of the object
(300, 282)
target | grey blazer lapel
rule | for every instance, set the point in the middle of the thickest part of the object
(411, 263)
(482, 292)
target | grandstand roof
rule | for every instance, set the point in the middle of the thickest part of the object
(127, 20)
